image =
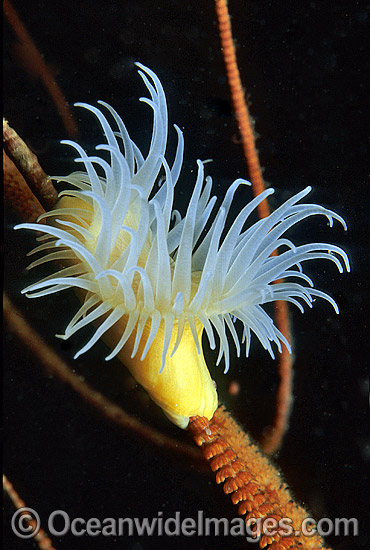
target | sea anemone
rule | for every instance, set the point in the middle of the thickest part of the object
(151, 281)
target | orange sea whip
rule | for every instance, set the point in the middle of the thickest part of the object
(253, 483)
(273, 438)
(41, 538)
(40, 68)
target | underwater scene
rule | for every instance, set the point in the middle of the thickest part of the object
(143, 246)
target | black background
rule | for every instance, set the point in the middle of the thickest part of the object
(304, 68)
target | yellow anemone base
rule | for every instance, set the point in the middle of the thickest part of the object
(184, 388)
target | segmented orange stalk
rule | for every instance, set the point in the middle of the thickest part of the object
(273, 438)
(252, 481)
(42, 539)
(240, 106)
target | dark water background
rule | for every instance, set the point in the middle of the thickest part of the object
(304, 68)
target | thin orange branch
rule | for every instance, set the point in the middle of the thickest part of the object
(34, 60)
(240, 106)
(42, 539)
(253, 483)
(272, 441)
(273, 436)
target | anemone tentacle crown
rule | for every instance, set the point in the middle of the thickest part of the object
(152, 281)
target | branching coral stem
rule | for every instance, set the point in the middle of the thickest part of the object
(38, 65)
(42, 539)
(272, 440)
(240, 106)
(252, 481)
